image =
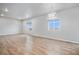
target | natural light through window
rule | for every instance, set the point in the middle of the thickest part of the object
(53, 22)
(29, 25)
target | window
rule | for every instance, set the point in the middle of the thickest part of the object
(29, 25)
(53, 24)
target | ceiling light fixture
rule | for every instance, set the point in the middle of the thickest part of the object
(6, 10)
(52, 15)
(3, 11)
(2, 14)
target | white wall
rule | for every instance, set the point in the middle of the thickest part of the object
(9, 26)
(69, 26)
(40, 25)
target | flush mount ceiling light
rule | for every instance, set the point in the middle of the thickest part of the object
(52, 15)
(1, 14)
(3, 11)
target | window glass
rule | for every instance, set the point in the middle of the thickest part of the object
(53, 24)
(29, 25)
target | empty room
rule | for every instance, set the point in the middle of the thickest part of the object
(39, 28)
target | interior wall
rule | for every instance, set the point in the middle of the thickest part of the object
(69, 29)
(39, 25)
(9, 26)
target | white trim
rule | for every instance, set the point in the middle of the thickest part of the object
(53, 38)
(42, 36)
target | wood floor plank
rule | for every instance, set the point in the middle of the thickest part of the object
(28, 45)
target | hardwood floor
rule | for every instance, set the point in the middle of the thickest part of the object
(54, 47)
(29, 45)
